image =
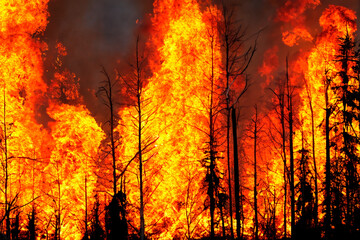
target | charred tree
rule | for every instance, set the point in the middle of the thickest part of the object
(280, 109)
(6, 127)
(255, 137)
(213, 180)
(58, 205)
(140, 102)
(328, 112)
(236, 63)
(236, 174)
(313, 155)
(6, 168)
(86, 234)
(106, 91)
(212, 106)
(142, 117)
(116, 210)
(96, 230)
(291, 150)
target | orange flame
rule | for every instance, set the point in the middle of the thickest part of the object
(179, 91)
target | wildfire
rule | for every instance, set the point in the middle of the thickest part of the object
(55, 168)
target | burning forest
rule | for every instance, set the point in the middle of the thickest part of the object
(179, 119)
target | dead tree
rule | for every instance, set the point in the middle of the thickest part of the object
(141, 119)
(236, 174)
(291, 149)
(255, 137)
(212, 106)
(106, 91)
(6, 166)
(139, 87)
(280, 110)
(328, 111)
(313, 153)
(236, 61)
(212, 178)
(116, 210)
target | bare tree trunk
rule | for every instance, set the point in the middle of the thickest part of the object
(139, 108)
(228, 109)
(228, 112)
(109, 98)
(86, 208)
(327, 164)
(59, 211)
(6, 180)
(283, 133)
(212, 147)
(274, 216)
(236, 173)
(292, 184)
(255, 176)
(236, 63)
(314, 157)
(112, 136)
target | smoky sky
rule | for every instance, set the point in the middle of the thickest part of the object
(261, 15)
(95, 33)
(101, 32)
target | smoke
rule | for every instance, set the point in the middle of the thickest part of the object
(95, 33)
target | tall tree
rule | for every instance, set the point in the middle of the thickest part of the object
(347, 92)
(255, 137)
(107, 92)
(280, 109)
(139, 87)
(212, 178)
(212, 106)
(291, 148)
(141, 118)
(237, 59)
(236, 174)
(328, 112)
(116, 210)
(313, 154)
(6, 165)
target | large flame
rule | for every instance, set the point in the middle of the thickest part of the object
(178, 95)
(50, 142)
(37, 161)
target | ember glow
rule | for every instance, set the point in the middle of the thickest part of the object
(146, 144)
